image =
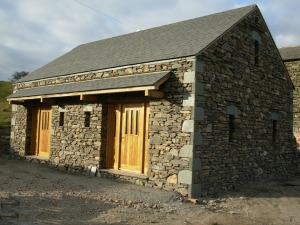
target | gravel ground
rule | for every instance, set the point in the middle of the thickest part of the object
(31, 193)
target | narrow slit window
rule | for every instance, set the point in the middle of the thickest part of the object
(126, 122)
(274, 133)
(61, 118)
(115, 122)
(87, 119)
(137, 122)
(231, 127)
(132, 122)
(256, 52)
(43, 121)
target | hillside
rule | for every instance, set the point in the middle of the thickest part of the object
(5, 109)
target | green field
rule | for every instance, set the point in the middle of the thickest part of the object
(5, 109)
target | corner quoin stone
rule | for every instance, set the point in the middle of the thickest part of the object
(188, 126)
(186, 151)
(185, 177)
(188, 99)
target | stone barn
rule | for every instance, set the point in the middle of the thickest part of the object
(198, 107)
(291, 58)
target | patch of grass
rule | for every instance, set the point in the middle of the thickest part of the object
(5, 109)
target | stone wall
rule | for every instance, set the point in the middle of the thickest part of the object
(293, 68)
(73, 145)
(77, 148)
(20, 130)
(255, 94)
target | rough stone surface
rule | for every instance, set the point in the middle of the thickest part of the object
(231, 77)
(293, 68)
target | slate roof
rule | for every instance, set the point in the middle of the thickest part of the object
(290, 53)
(186, 38)
(140, 80)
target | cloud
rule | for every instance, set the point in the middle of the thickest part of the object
(33, 33)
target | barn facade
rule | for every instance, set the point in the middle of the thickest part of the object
(197, 107)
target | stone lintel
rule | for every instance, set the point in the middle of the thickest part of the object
(256, 36)
(188, 126)
(186, 151)
(185, 177)
(274, 116)
(232, 110)
(61, 109)
(88, 108)
(188, 99)
(189, 77)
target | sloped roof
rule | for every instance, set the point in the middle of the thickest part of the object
(171, 41)
(290, 53)
(140, 80)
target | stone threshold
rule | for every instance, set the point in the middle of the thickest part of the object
(123, 173)
(34, 157)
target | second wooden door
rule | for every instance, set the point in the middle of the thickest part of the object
(128, 135)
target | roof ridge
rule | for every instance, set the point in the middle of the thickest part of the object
(173, 23)
(164, 42)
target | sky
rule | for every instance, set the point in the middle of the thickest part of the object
(35, 32)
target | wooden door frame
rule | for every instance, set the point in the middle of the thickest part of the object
(112, 157)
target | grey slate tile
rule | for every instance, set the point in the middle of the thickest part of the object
(186, 38)
(93, 85)
(290, 53)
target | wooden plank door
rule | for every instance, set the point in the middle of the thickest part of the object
(44, 132)
(132, 135)
(128, 137)
(41, 126)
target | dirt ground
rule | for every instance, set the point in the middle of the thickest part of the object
(31, 193)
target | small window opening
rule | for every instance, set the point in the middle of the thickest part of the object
(87, 119)
(126, 122)
(137, 123)
(131, 122)
(274, 133)
(61, 118)
(256, 20)
(256, 52)
(231, 128)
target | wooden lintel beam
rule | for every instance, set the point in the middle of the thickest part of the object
(89, 98)
(48, 100)
(15, 102)
(154, 94)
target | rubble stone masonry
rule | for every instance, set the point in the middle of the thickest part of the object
(293, 68)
